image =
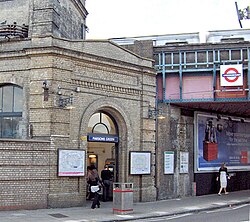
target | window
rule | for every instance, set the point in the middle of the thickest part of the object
(11, 102)
(101, 123)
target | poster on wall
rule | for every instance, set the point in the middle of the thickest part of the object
(71, 162)
(221, 140)
(184, 162)
(168, 162)
(140, 162)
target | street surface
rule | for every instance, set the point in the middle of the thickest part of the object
(229, 214)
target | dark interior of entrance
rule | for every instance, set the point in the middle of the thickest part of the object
(101, 154)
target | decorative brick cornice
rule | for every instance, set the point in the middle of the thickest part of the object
(106, 87)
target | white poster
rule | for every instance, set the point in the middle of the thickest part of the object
(231, 75)
(169, 162)
(71, 162)
(184, 162)
(140, 162)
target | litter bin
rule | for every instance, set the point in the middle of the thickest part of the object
(122, 198)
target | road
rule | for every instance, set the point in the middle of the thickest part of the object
(230, 214)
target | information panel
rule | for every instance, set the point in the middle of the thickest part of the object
(184, 158)
(71, 162)
(140, 162)
(169, 162)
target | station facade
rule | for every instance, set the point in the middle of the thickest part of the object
(67, 103)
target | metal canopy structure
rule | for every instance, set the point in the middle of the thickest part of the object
(240, 109)
(185, 60)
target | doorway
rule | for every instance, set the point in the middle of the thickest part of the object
(101, 154)
(102, 147)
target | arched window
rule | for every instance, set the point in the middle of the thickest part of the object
(101, 123)
(11, 106)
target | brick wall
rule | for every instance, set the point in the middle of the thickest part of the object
(25, 174)
(15, 11)
(175, 133)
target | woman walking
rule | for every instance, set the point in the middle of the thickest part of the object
(223, 175)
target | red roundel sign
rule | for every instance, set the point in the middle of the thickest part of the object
(231, 75)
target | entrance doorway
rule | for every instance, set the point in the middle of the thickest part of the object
(101, 154)
(102, 148)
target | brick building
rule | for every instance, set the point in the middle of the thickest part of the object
(193, 91)
(46, 67)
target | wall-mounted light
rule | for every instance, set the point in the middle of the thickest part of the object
(154, 113)
(92, 156)
(66, 101)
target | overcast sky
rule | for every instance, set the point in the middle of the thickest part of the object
(128, 18)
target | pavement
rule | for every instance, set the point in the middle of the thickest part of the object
(143, 210)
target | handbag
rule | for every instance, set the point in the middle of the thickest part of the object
(94, 188)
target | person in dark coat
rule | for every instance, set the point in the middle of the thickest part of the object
(94, 183)
(106, 176)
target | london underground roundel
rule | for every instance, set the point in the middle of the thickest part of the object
(231, 75)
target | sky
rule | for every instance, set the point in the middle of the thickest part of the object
(131, 18)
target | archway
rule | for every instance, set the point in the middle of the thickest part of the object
(102, 146)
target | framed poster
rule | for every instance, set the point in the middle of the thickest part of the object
(140, 162)
(169, 162)
(184, 156)
(71, 162)
(230, 135)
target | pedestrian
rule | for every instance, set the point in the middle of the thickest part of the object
(223, 176)
(106, 176)
(95, 184)
(89, 179)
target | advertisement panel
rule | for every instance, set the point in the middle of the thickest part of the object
(231, 75)
(219, 140)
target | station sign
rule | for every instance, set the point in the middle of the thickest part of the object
(231, 75)
(102, 138)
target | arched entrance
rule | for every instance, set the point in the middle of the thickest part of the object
(102, 143)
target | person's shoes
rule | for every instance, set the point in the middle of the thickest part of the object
(226, 193)
(219, 194)
(98, 206)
